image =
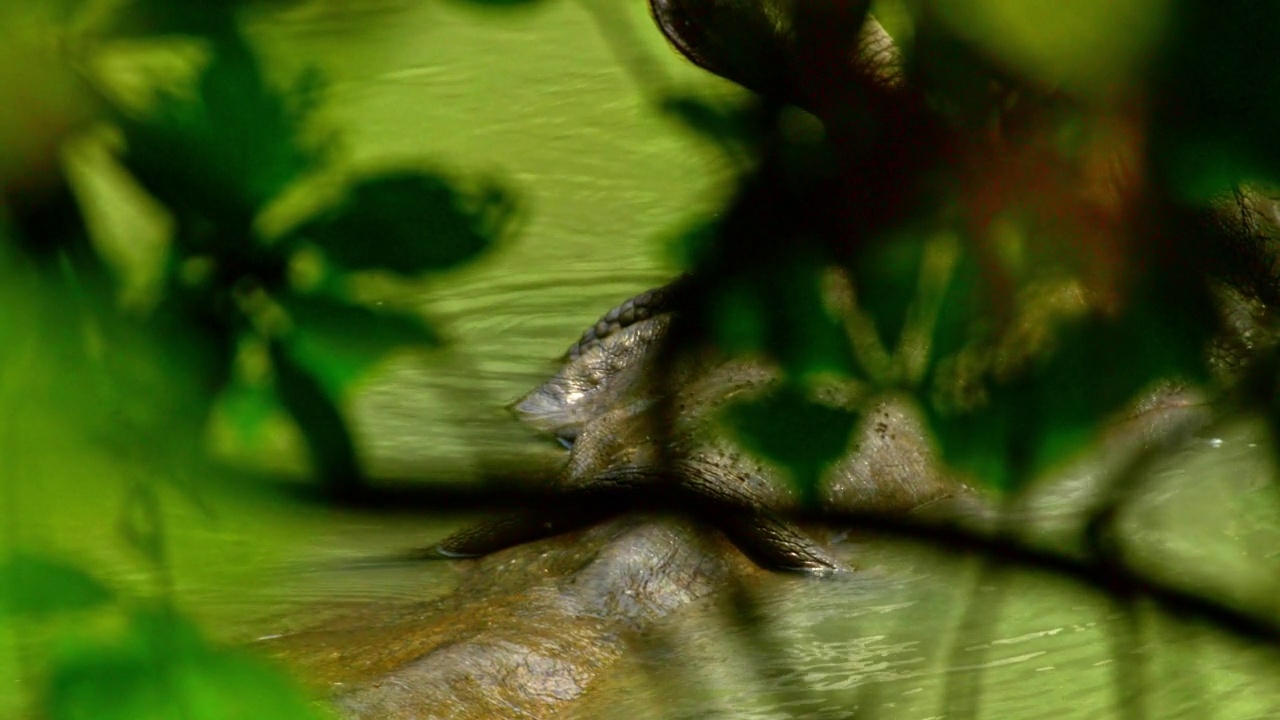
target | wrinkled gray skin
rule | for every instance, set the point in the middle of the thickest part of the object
(534, 621)
(640, 422)
(532, 625)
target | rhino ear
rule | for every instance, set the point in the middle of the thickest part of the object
(745, 41)
(762, 44)
(879, 55)
(604, 376)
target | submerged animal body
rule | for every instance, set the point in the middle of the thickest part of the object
(643, 420)
(639, 419)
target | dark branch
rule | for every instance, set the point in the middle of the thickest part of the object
(1108, 577)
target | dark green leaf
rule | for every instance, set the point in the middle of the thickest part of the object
(248, 406)
(337, 341)
(780, 311)
(958, 80)
(885, 278)
(36, 586)
(966, 308)
(409, 223)
(1026, 421)
(728, 128)
(696, 244)
(323, 427)
(216, 159)
(795, 432)
(1218, 99)
(208, 18)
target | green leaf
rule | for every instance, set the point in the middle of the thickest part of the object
(695, 245)
(331, 344)
(779, 311)
(409, 223)
(161, 669)
(1074, 46)
(728, 128)
(337, 341)
(885, 277)
(223, 153)
(1217, 100)
(36, 586)
(795, 432)
(249, 406)
(1022, 422)
(318, 417)
(955, 76)
(208, 18)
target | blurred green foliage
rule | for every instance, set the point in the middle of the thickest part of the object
(159, 666)
(217, 155)
(1215, 102)
(242, 143)
(1032, 223)
(34, 586)
(816, 434)
(250, 319)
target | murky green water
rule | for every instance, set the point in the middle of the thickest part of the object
(539, 97)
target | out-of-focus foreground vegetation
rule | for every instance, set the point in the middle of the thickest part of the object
(148, 287)
(1043, 218)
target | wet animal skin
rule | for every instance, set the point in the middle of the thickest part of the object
(637, 419)
(636, 443)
